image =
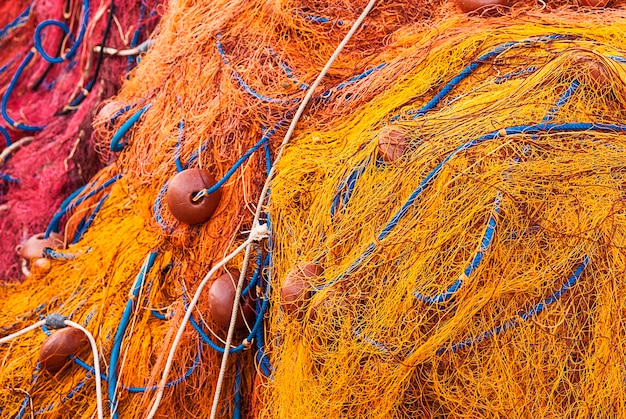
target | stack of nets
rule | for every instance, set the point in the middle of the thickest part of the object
(52, 81)
(477, 275)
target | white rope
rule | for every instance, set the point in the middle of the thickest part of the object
(257, 233)
(96, 365)
(257, 215)
(139, 49)
(21, 332)
(13, 147)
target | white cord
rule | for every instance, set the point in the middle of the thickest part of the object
(257, 215)
(10, 149)
(94, 349)
(258, 232)
(139, 49)
(23, 331)
(96, 365)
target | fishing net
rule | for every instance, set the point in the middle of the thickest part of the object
(449, 209)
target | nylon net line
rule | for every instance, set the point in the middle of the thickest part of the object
(445, 225)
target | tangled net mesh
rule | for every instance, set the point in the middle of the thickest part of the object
(478, 275)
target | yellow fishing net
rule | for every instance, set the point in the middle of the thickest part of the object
(478, 275)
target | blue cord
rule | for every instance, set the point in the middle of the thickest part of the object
(467, 71)
(20, 20)
(7, 137)
(121, 331)
(68, 205)
(65, 29)
(562, 100)
(26, 401)
(532, 312)
(478, 257)
(52, 60)
(116, 144)
(515, 130)
(528, 314)
(135, 40)
(158, 205)
(7, 94)
(83, 228)
(346, 188)
(56, 255)
(181, 129)
(237, 398)
(244, 85)
(514, 74)
(8, 178)
(242, 159)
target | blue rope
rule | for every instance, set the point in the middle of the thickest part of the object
(255, 276)
(244, 85)
(20, 20)
(515, 130)
(121, 331)
(242, 160)
(160, 316)
(319, 19)
(119, 113)
(7, 94)
(346, 187)
(564, 97)
(68, 205)
(53, 60)
(253, 332)
(63, 206)
(66, 30)
(488, 236)
(67, 397)
(467, 71)
(326, 95)
(621, 60)
(7, 138)
(528, 314)
(532, 312)
(478, 257)
(288, 71)
(515, 74)
(130, 389)
(56, 255)
(135, 40)
(194, 156)
(10, 62)
(181, 129)
(158, 205)
(173, 383)
(9, 178)
(237, 398)
(116, 144)
(356, 174)
(26, 401)
(261, 357)
(83, 228)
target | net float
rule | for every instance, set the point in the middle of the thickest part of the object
(296, 289)
(221, 297)
(468, 6)
(34, 247)
(392, 143)
(182, 190)
(55, 352)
